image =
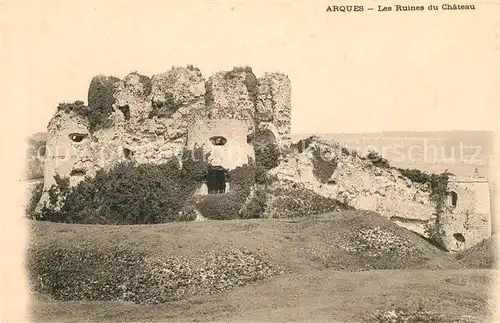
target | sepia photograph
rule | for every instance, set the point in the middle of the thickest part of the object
(249, 161)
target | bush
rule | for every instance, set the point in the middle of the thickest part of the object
(227, 206)
(377, 160)
(256, 207)
(100, 100)
(34, 196)
(221, 207)
(267, 156)
(125, 274)
(126, 194)
(299, 202)
(77, 107)
(322, 169)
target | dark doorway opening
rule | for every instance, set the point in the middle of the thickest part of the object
(126, 111)
(216, 180)
(454, 199)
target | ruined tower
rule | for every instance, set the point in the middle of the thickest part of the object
(150, 120)
(467, 220)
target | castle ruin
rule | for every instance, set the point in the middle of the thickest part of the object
(467, 220)
(150, 120)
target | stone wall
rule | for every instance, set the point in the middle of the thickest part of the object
(146, 120)
(357, 182)
(273, 106)
(224, 141)
(467, 220)
(68, 146)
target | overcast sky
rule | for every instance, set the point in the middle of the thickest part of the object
(355, 72)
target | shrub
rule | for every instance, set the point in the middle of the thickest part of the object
(322, 169)
(194, 166)
(221, 207)
(377, 160)
(191, 67)
(97, 117)
(115, 273)
(256, 207)
(34, 195)
(100, 100)
(126, 194)
(262, 176)
(290, 202)
(438, 185)
(434, 230)
(242, 179)
(267, 156)
(227, 206)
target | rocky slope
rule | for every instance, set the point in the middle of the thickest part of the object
(332, 171)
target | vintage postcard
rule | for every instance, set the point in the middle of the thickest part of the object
(249, 161)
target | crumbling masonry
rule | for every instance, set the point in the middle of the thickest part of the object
(150, 120)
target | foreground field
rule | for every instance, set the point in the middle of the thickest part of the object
(320, 296)
(336, 267)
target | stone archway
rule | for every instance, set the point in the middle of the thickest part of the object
(265, 135)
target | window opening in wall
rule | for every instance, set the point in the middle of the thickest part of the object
(454, 199)
(77, 137)
(459, 237)
(77, 172)
(218, 141)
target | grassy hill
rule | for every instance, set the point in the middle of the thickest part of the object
(344, 266)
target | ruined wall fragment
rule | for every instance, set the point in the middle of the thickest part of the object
(359, 184)
(232, 95)
(467, 217)
(273, 106)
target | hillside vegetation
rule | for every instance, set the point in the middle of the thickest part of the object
(158, 263)
(320, 268)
